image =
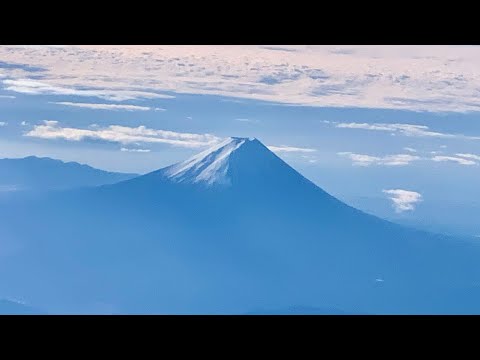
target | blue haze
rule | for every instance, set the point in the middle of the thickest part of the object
(270, 239)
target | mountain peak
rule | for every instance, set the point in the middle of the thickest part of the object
(210, 166)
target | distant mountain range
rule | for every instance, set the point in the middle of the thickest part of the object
(34, 173)
(232, 229)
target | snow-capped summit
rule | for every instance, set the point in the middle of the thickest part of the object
(210, 166)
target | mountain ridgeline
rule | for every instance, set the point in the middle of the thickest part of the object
(229, 231)
(34, 173)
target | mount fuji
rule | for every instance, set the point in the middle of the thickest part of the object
(231, 230)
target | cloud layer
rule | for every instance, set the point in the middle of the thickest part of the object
(403, 200)
(419, 78)
(28, 86)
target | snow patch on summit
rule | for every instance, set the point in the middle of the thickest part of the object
(209, 166)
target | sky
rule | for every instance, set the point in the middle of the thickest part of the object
(393, 130)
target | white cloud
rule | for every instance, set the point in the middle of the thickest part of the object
(3, 123)
(458, 160)
(406, 159)
(388, 160)
(51, 129)
(403, 200)
(189, 118)
(27, 86)
(135, 150)
(284, 148)
(107, 106)
(469, 156)
(244, 120)
(404, 129)
(7, 97)
(24, 123)
(419, 78)
(409, 149)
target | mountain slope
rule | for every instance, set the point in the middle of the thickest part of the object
(34, 173)
(232, 229)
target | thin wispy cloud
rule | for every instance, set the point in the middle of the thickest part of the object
(406, 159)
(469, 156)
(412, 130)
(458, 160)
(245, 120)
(290, 149)
(7, 97)
(24, 123)
(112, 107)
(403, 200)
(3, 123)
(52, 130)
(409, 149)
(388, 160)
(135, 150)
(437, 78)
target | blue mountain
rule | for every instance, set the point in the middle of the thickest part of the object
(34, 173)
(232, 229)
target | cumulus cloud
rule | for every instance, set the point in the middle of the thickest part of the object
(114, 107)
(388, 160)
(33, 87)
(134, 150)
(50, 129)
(289, 149)
(458, 160)
(403, 200)
(437, 78)
(404, 129)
